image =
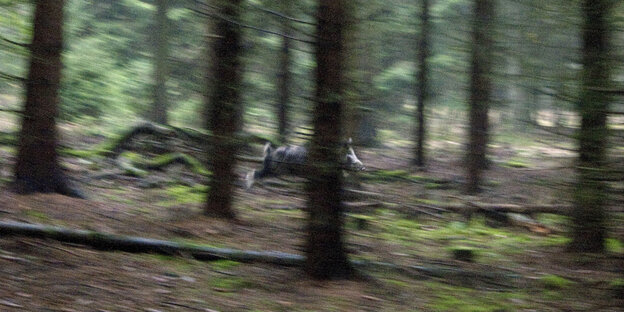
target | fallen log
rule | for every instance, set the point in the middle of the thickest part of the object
(134, 244)
(115, 146)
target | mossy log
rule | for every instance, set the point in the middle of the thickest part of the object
(110, 242)
(165, 160)
(113, 147)
(116, 145)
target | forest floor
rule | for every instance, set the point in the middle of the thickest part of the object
(45, 275)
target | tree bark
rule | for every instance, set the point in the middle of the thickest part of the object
(325, 253)
(480, 92)
(225, 110)
(158, 112)
(37, 168)
(588, 217)
(423, 86)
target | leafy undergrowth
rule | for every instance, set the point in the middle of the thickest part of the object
(39, 274)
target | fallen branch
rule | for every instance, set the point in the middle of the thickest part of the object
(109, 242)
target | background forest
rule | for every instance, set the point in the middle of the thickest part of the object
(491, 132)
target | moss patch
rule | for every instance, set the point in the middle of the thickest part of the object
(554, 282)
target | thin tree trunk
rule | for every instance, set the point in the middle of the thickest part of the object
(588, 217)
(284, 75)
(423, 87)
(480, 90)
(37, 168)
(158, 112)
(325, 253)
(225, 110)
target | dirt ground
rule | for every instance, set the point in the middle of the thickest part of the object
(44, 275)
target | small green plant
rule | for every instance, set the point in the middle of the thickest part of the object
(222, 265)
(554, 282)
(230, 283)
(41, 216)
(614, 245)
(617, 285)
(515, 163)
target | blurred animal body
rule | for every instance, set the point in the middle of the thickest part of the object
(291, 160)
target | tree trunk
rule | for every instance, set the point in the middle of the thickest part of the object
(225, 110)
(158, 112)
(37, 168)
(326, 256)
(423, 87)
(284, 76)
(588, 216)
(480, 92)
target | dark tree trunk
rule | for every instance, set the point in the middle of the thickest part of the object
(326, 256)
(284, 76)
(37, 168)
(423, 86)
(225, 110)
(588, 217)
(158, 111)
(480, 92)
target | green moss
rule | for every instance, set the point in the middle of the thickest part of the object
(77, 153)
(222, 265)
(554, 240)
(399, 283)
(549, 219)
(397, 175)
(460, 299)
(617, 283)
(515, 163)
(614, 245)
(230, 283)
(41, 216)
(554, 282)
(434, 186)
(182, 194)
(617, 287)
(194, 165)
(8, 138)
